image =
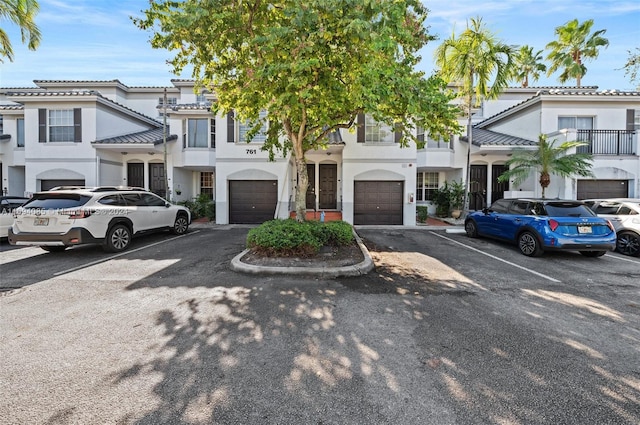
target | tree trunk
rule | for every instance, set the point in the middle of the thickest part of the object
(301, 188)
(545, 180)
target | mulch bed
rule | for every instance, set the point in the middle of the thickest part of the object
(329, 256)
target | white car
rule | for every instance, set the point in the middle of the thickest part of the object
(111, 216)
(624, 214)
(7, 205)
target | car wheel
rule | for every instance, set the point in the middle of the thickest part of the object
(181, 225)
(471, 228)
(54, 248)
(529, 245)
(593, 253)
(628, 244)
(118, 238)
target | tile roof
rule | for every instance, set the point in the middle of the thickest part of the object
(78, 93)
(154, 136)
(482, 137)
(11, 107)
(560, 92)
(183, 106)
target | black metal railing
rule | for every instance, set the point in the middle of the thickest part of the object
(608, 142)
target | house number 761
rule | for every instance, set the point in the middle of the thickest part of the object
(252, 151)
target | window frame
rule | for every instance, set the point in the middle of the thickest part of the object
(373, 128)
(425, 187)
(20, 133)
(576, 119)
(208, 178)
(60, 121)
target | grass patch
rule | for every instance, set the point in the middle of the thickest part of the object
(289, 238)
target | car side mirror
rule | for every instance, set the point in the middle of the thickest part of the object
(167, 204)
(486, 210)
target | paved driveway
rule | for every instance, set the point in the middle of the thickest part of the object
(446, 330)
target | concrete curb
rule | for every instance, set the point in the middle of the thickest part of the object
(359, 269)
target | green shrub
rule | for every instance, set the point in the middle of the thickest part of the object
(290, 238)
(422, 212)
(338, 233)
(202, 206)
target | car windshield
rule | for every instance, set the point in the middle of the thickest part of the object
(568, 210)
(53, 201)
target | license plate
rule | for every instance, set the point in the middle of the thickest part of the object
(41, 221)
(585, 229)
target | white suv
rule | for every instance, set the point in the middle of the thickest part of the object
(110, 216)
(624, 214)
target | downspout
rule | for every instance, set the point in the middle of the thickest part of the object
(97, 170)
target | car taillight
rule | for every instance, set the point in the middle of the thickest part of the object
(79, 214)
(613, 229)
(553, 224)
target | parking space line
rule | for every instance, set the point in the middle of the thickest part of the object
(622, 258)
(497, 258)
(111, 257)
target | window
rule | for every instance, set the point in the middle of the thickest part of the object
(206, 183)
(375, 132)
(1, 125)
(427, 185)
(61, 125)
(170, 101)
(260, 137)
(500, 206)
(420, 133)
(579, 123)
(201, 99)
(20, 132)
(438, 144)
(197, 133)
(636, 119)
(151, 200)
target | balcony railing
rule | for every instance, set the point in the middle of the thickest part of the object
(608, 142)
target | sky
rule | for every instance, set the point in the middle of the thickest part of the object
(96, 39)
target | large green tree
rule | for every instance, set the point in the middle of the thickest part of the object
(575, 45)
(21, 13)
(548, 159)
(313, 66)
(527, 64)
(480, 65)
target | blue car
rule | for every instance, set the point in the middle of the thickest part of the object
(539, 225)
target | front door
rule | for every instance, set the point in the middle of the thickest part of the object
(498, 188)
(156, 179)
(135, 174)
(328, 186)
(311, 189)
(477, 187)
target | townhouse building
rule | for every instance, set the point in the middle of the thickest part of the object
(106, 133)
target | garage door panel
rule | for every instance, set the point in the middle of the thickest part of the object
(252, 201)
(590, 189)
(378, 202)
(50, 184)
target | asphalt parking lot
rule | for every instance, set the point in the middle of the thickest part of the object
(445, 330)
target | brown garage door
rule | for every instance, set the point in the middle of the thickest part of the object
(589, 189)
(50, 184)
(378, 202)
(252, 201)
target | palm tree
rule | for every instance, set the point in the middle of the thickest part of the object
(480, 65)
(548, 159)
(575, 44)
(21, 13)
(527, 63)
